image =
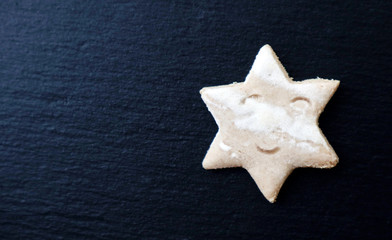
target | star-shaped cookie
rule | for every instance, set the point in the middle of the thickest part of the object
(269, 124)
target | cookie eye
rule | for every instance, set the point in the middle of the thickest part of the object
(252, 96)
(300, 103)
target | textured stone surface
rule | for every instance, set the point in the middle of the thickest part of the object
(103, 130)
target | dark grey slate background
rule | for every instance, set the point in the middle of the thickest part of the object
(103, 130)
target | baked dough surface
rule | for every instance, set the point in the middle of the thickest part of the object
(268, 124)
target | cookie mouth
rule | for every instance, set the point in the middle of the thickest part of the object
(268, 151)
